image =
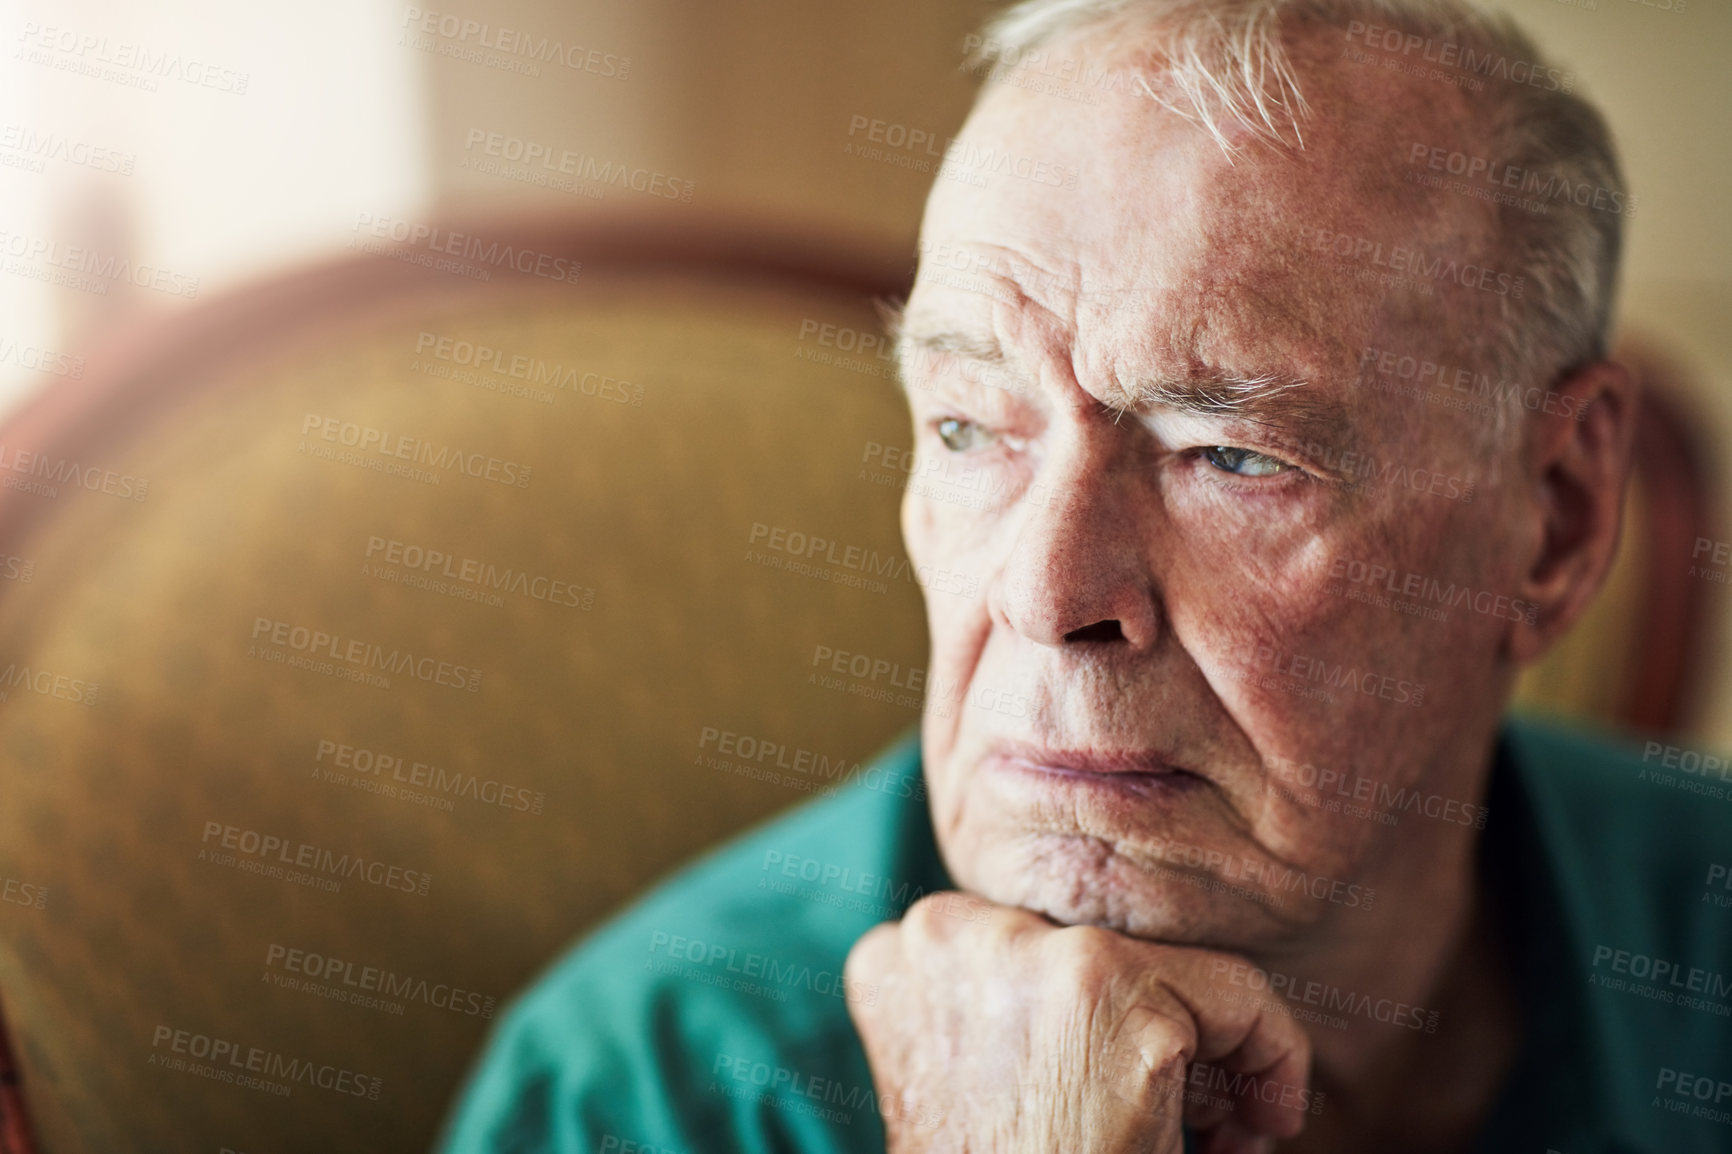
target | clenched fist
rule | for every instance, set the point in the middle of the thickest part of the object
(997, 1031)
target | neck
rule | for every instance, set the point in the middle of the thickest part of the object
(1427, 960)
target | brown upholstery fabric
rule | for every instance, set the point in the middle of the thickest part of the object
(591, 714)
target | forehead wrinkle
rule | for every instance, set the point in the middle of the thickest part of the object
(935, 337)
(966, 341)
(1188, 368)
(1240, 342)
(974, 346)
(1029, 326)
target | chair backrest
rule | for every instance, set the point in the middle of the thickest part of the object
(367, 635)
(371, 633)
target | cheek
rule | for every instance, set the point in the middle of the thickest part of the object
(1284, 651)
(943, 518)
(917, 527)
(956, 548)
(1339, 698)
(1235, 589)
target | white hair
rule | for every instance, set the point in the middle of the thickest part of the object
(1224, 63)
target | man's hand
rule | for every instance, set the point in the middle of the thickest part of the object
(997, 1031)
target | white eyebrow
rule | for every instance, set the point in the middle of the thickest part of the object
(1216, 391)
(1275, 399)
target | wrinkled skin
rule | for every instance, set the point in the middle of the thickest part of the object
(1145, 597)
(1104, 1068)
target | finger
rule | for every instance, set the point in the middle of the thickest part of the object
(1205, 1107)
(1149, 1056)
(1266, 1078)
(1264, 1056)
(1256, 1029)
(874, 954)
(1280, 1100)
(872, 964)
(940, 918)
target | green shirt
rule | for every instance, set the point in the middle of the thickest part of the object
(711, 1015)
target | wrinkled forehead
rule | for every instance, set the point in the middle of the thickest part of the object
(1127, 223)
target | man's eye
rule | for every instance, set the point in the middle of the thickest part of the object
(959, 435)
(1243, 462)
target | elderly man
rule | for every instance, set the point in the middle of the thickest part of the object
(1282, 334)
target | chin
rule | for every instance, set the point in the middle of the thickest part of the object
(1082, 881)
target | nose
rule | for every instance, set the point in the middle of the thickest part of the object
(1078, 571)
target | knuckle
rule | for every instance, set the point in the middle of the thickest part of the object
(920, 927)
(872, 954)
(925, 915)
(1148, 1046)
(1003, 929)
(951, 914)
(1167, 1043)
(1079, 955)
(1164, 1046)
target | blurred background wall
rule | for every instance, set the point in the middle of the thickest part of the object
(208, 143)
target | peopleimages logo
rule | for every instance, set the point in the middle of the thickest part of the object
(90, 270)
(1662, 980)
(280, 851)
(1468, 61)
(56, 471)
(1330, 998)
(137, 65)
(523, 367)
(524, 47)
(775, 974)
(1234, 1086)
(35, 148)
(40, 359)
(1481, 388)
(46, 683)
(1407, 261)
(811, 1094)
(809, 547)
(464, 246)
(363, 979)
(1340, 792)
(1500, 179)
(230, 1061)
(1690, 1094)
(1431, 597)
(547, 161)
(755, 757)
(385, 447)
(362, 763)
(1222, 870)
(23, 893)
(1345, 676)
(925, 150)
(423, 562)
(312, 644)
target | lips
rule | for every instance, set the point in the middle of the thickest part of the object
(1047, 775)
(1090, 763)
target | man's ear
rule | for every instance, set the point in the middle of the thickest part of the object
(1575, 461)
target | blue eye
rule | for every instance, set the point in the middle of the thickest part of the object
(1243, 462)
(959, 435)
